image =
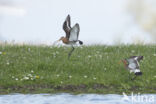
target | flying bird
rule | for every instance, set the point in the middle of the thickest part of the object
(72, 34)
(132, 64)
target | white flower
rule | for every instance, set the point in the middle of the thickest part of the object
(105, 69)
(89, 56)
(70, 76)
(26, 78)
(61, 82)
(154, 54)
(32, 71)
(57, 75)
(7, 63)
(94, 78)
(132, 51)
(85, 76)
(100, 56)
(32, 78)
(29, 75)
(16, 79)
(13, 77)
(155, 76)
(0, 53)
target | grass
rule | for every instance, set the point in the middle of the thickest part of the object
(91, 69)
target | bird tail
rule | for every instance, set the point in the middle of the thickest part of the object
(80, 42)
(138, 73)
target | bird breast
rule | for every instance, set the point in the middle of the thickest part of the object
(65, 40)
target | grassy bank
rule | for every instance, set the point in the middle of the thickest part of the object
(91, 69)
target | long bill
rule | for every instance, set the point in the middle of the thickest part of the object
(56, 42)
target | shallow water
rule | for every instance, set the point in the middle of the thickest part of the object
(65, 98)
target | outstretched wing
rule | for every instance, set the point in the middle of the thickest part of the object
(139, 58)
(66, 26)
(74, 33)
(133, 64)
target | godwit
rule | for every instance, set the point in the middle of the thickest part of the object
(72, 34)
(132, 64)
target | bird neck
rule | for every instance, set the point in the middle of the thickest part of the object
(125, 62)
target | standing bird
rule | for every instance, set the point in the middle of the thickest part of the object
(132, 64)
(72, 34)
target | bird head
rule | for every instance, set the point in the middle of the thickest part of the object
(124, 62)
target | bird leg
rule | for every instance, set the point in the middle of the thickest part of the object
(134, 77)
(71, 52)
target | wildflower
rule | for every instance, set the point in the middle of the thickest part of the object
(0, 53)
(57, 75)
(132, 51)
(32, 78)
(105, 69)
(29, 75)
(13, 77)
(7, 63)
(4, 53)
(37, 77)
(89, 56)
(154, 54)
(16, 79)
(94, 78)
(26, 78)
(70, 76)
(155, 76)
(85, 76)
(61, 82)
(32, 71)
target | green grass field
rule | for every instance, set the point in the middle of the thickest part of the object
(91, 69)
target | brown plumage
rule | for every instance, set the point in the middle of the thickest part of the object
(72, 34)
(132, 64)
(67, 27)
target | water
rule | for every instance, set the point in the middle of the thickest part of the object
(65, 98)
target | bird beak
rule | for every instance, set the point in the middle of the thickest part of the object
(56, 42)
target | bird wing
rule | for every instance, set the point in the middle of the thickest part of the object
(74, 33)
(67, 27)
(139, 58)
(133, 64)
